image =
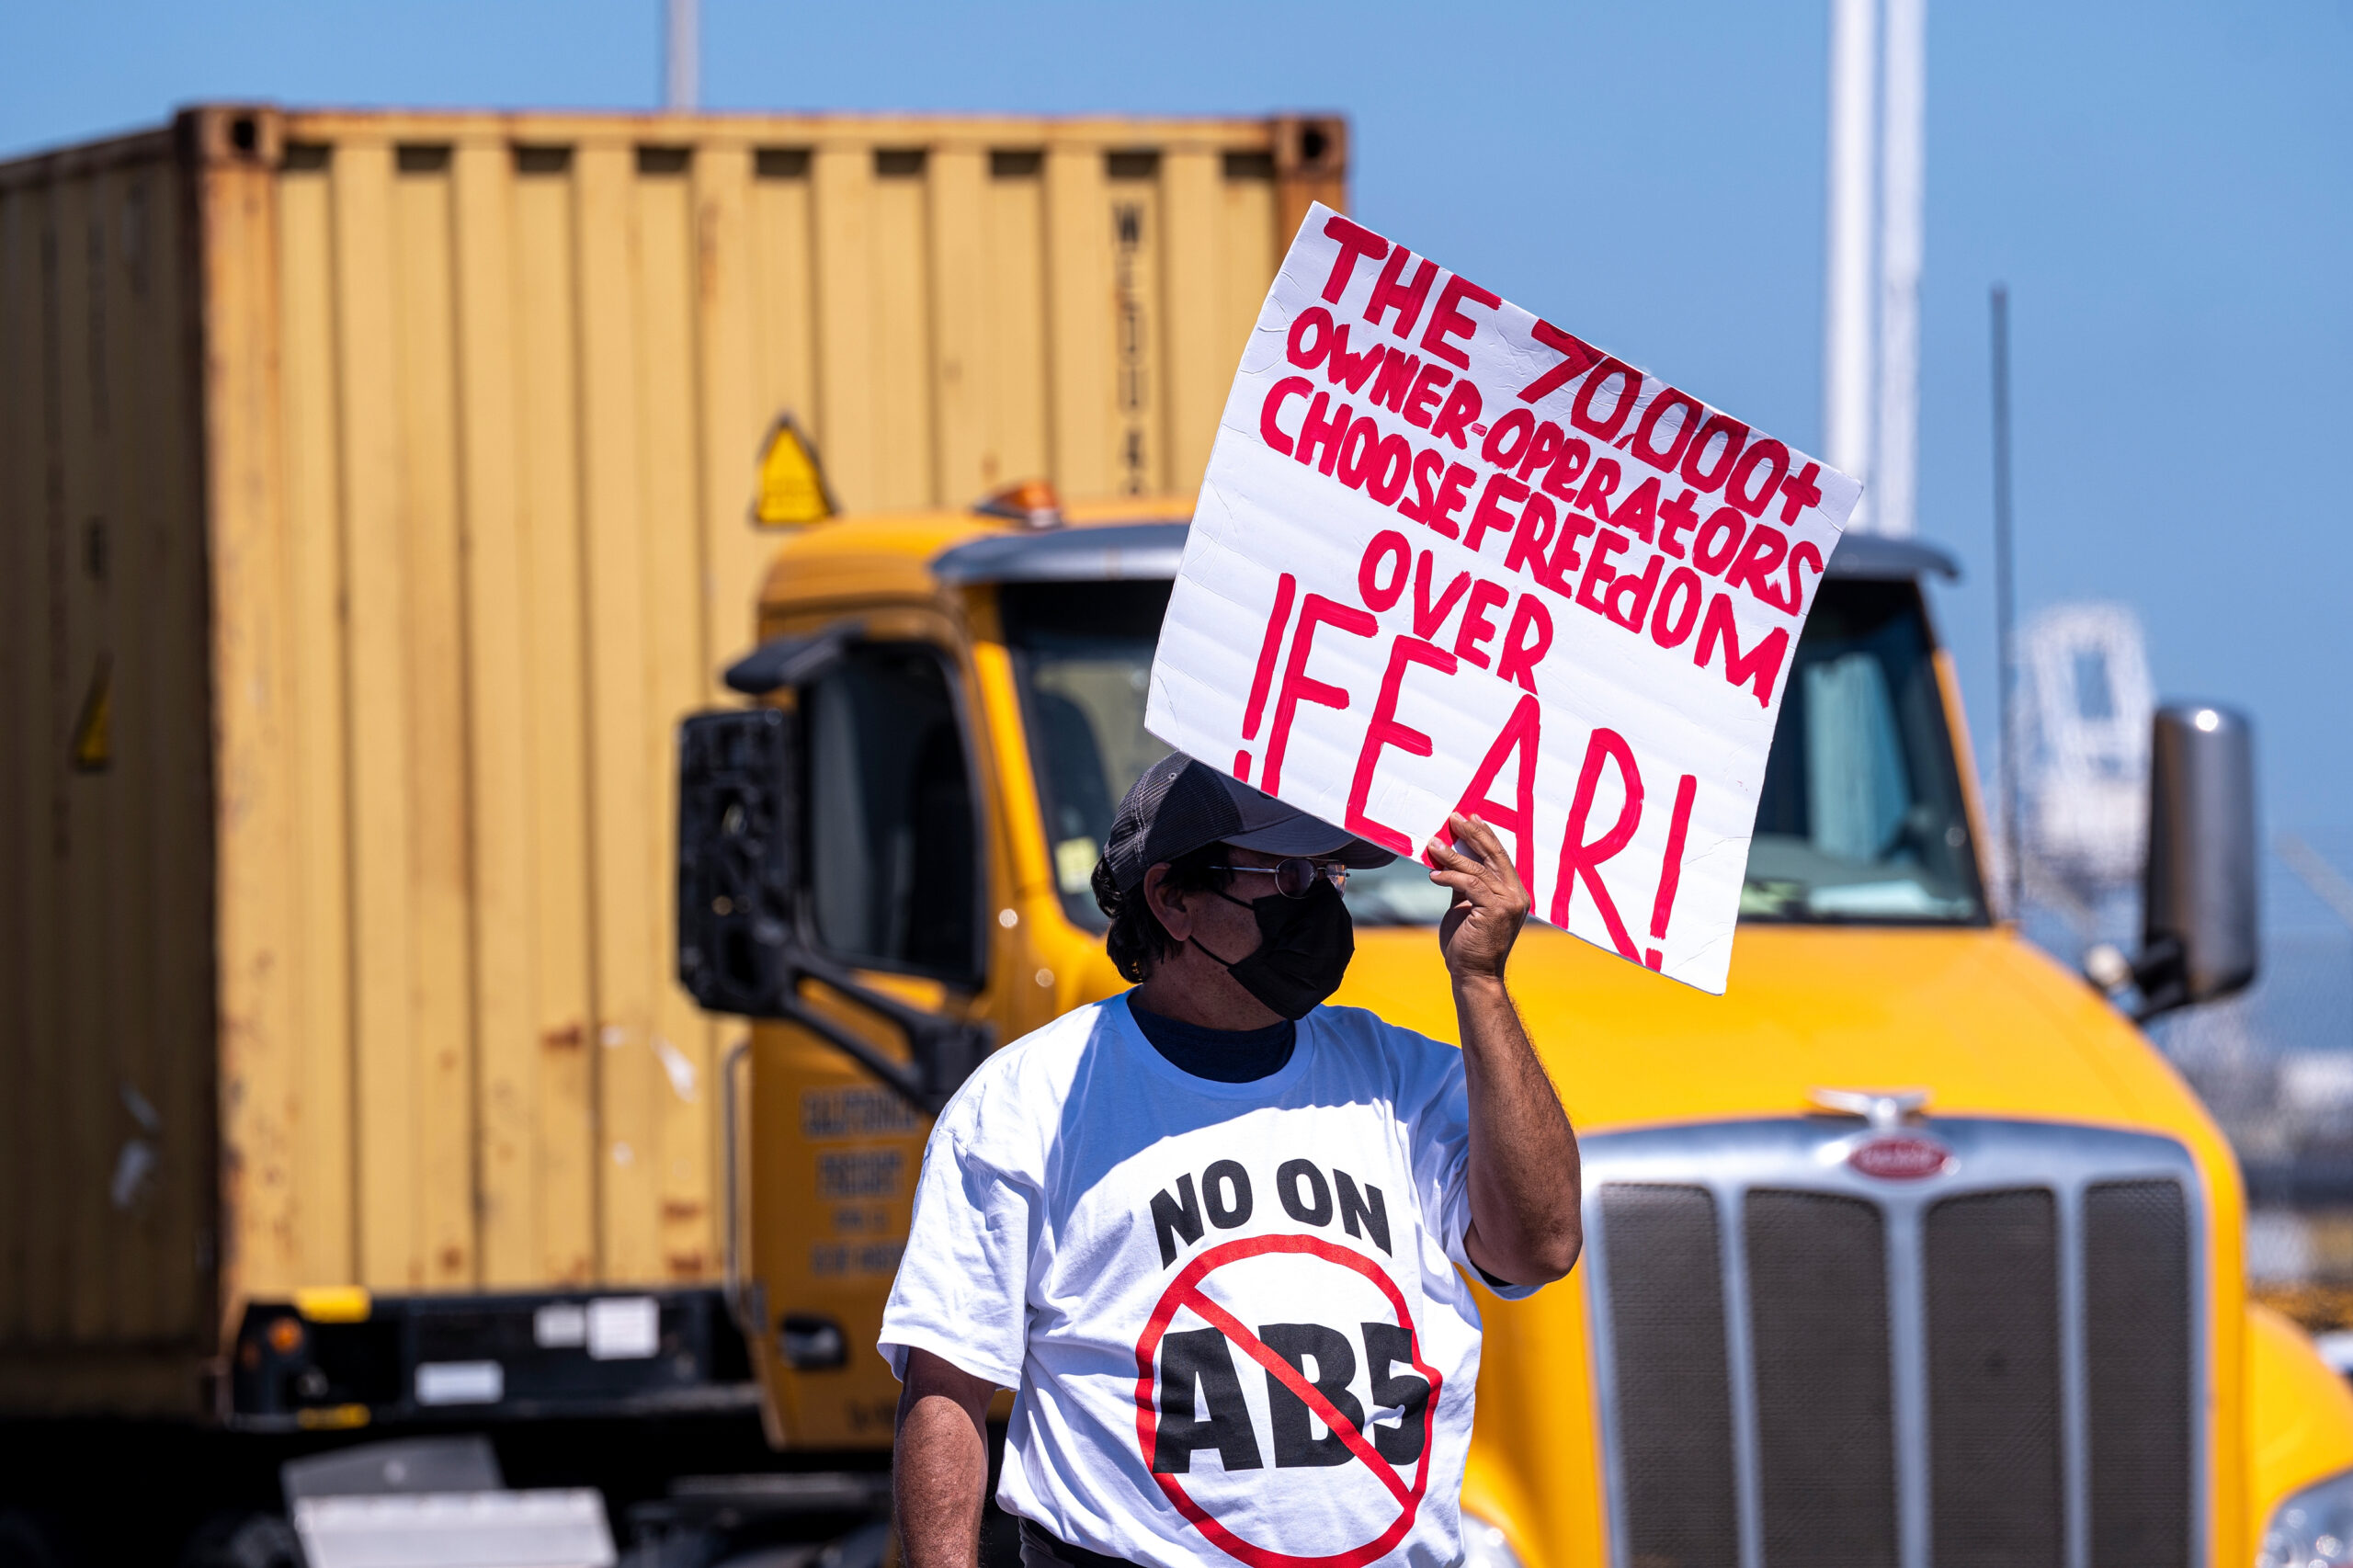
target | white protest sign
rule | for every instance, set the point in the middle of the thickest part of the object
(1449, 555)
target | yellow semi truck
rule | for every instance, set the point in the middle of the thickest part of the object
(1908, 1250)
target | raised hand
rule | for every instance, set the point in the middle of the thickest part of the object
(1490, 902)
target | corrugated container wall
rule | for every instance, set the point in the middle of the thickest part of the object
(375, 495)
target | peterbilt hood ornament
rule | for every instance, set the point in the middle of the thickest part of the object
(1893, 1150)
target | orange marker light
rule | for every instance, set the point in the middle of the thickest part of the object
(1032, 502)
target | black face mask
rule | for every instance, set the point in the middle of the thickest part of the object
(1304, 946)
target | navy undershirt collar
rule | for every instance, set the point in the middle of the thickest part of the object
(1223, 1056)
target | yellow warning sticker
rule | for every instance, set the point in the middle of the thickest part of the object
(793, 483)
(92, 732)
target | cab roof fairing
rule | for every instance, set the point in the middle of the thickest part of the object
(1112, 552)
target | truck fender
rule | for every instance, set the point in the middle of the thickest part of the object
(2300, 1417)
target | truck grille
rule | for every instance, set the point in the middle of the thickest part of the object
(1804, 1367)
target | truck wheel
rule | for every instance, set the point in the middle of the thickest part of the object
(243, 1540)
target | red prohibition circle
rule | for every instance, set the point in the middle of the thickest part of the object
(1185, 1291)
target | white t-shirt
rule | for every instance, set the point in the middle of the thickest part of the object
(1182, 1279)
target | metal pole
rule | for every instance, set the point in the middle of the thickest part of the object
(2005, 611)
(1847, 273)
(1904, 99)
(681, 55)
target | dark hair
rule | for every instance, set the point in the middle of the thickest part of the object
(1137, 941)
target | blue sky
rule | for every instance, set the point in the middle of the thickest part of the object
(2166, 188)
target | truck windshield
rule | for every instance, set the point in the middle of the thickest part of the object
(1860, 818)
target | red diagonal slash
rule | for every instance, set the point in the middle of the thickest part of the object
(1283, 1372)
(1185, 1291)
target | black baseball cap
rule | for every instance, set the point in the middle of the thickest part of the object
(1180, 805)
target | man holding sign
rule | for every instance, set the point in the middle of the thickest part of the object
(1451, 567)
(1143, 1210)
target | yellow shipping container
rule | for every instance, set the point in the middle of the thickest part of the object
(373, 501)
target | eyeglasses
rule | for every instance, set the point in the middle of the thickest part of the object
(1295, 877)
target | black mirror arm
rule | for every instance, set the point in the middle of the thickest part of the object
(944, 1051)
(2159, 976)
(789, 661)
(899, 1079)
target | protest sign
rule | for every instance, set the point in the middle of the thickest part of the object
(1447, 554)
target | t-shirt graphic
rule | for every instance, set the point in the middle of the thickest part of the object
(1231, 1312)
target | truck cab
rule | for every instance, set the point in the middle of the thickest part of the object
(1909, 1248)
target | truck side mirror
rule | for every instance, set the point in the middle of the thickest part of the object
(739, 848)
(739, 833)
(2199, 900)
(742, 944)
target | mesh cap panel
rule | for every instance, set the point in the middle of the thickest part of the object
(1178, 806)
